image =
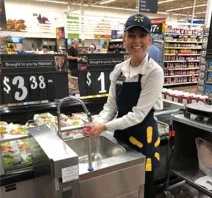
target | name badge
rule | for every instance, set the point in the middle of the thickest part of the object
(121, 79)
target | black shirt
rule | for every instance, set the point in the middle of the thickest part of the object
(73, 64)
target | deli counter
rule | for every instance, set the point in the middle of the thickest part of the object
(36, 162)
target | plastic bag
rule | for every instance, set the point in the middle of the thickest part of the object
(204, 152)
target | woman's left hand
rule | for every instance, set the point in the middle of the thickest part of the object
(94, 128)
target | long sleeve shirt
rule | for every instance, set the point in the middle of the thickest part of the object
(150, 96)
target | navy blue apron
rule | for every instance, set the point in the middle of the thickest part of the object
(142, 137)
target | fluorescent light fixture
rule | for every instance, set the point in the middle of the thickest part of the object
(106, 2)
(200, 13)
(53, 1)
(185, 8)
(166, 1)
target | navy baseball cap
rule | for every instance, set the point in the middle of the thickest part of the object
(138, 20)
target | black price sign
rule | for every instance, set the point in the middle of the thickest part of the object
(156, 28)
(17, 88)
(157, 25)
(94, 82)
(94, 74)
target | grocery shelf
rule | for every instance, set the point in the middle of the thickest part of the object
(192, 68)
(177, 76)
(184, 48)
(182, 61)
(181, 34)
(182, 54)
(185, 83)
(196, 42)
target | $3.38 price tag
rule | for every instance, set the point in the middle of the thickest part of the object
(18, 88)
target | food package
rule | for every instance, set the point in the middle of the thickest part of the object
(45, 118)
(9, 130)
(15, 154)
(204, 152)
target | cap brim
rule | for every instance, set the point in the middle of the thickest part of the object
(133, 26)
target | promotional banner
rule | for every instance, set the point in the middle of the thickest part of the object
(3, 21)
(148, 6)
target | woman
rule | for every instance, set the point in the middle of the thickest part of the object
(134, 94)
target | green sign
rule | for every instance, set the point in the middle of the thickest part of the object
(73, 27)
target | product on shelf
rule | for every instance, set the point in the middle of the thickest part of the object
(182, 55)
(66, 121)
(183, 97)
(15, 154)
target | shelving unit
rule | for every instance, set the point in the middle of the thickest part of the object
(116, 45)
(182, 51)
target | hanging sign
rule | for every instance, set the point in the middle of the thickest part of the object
(94, 72)
(148, 6)
(3, 21)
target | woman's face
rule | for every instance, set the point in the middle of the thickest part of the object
(137, 42)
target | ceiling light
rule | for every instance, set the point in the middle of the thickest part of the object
(200, 13)
(53, 1)
(106, 2)
(185, 8)
(165, 1)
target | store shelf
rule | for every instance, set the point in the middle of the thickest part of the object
(189, 42)
(176, 84)
(175, 69)
(190, 177)
(178, 76)
(184, 48)
(182, 61)
(180, 34)
(182, 54)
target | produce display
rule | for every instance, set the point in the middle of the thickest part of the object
(11, 129)
(16, 154)
(74, 121)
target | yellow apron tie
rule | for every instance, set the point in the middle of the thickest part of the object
(149, 134)
(135, 142)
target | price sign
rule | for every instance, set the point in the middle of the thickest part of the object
(94, 76)
(17, 88)
(94, 82)
(157, 25)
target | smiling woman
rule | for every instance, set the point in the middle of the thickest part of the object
(135, 93)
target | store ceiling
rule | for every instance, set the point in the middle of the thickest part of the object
(181, 7)
(178, 7)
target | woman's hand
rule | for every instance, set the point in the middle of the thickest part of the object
(94, 128)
